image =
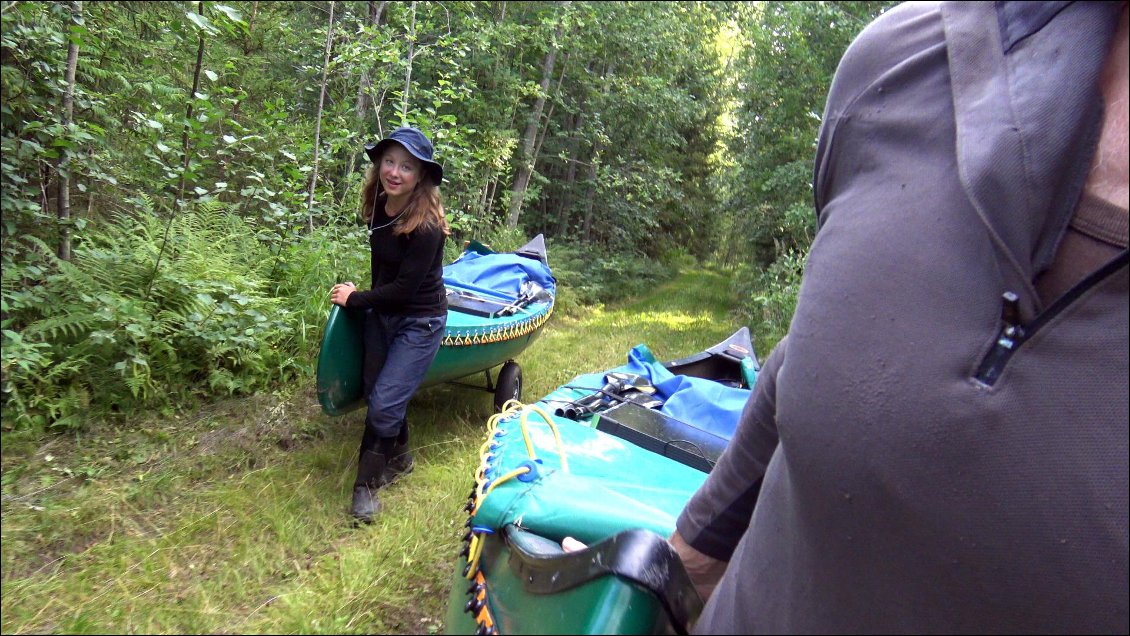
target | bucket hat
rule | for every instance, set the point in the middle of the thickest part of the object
(415, 143)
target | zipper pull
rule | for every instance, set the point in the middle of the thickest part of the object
(1011, 329)
(1011, 336)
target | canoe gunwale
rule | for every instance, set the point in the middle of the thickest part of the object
(639, 556)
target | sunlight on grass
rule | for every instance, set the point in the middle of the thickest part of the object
(666, 319)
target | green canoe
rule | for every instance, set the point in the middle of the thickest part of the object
(497, 304)
(610, 459)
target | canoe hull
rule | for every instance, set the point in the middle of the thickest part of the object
(621, 606)
(341, 360)
(454, 362)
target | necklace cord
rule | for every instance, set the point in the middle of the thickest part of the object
(373, 217)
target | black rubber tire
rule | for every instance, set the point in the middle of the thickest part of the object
(509, 384)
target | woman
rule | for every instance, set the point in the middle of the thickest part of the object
(406, 310)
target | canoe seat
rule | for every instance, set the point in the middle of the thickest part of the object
(474, 305)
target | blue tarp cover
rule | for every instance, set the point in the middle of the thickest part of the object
(497, 275)
(704, 404)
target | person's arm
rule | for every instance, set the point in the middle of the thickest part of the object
(419, 255)
(705, 571)
(718, 514)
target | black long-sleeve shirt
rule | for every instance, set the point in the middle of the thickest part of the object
(407, 272)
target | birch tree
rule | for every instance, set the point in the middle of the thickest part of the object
(408, 70)
(529, 138)
(318, 121)
(63, 169)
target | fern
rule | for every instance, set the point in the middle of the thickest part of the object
(55, 327)
(216, 321)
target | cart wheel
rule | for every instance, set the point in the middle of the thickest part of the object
(509, 384)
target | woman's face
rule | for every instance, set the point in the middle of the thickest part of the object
(400, 171)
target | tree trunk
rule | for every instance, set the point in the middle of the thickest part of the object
(247, 42)
(586, 230)
(63, 168)
(184, 149)
(490, 199)
(377, 106)
(483, 198)
(526, 167)
(549, 114)
(408, 72)
(499, 19)
(188, 117)
(318, 122)
(376, 11)
(566, 207)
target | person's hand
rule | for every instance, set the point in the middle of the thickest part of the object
(569, 544)
(705, 571)
(340, 293)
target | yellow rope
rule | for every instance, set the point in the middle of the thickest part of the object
(509, 409)
(507, 477)
(526, 437)
(476, 551)
(553, 427)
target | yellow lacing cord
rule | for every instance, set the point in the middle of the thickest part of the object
(509, 409)
(553, 427)
(476, 547)
(498, 334)
(475, 551)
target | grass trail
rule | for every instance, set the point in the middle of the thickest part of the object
(234, 518)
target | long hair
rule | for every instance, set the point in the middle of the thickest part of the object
(425, 206)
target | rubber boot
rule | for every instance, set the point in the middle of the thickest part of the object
(400, 462)
(370, 477)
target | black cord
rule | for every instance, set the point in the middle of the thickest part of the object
(690, 443)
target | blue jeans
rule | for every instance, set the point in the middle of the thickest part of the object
(398, 352)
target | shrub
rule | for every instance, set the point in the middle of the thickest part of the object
(773, 295)
(113, 330)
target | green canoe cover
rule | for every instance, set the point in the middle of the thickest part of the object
(610, 484)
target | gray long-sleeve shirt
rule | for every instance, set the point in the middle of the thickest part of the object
(899, 469)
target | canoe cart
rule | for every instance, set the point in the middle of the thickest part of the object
(498, 303)
(610, 459)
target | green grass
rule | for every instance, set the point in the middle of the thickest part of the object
(233, 518)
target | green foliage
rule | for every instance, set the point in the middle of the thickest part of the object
(301, 275)
(672, 132)
(87, 333)
(769, 298)
(783, 73)
(590, 275)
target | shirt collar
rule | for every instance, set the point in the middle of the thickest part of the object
(1018, 20)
